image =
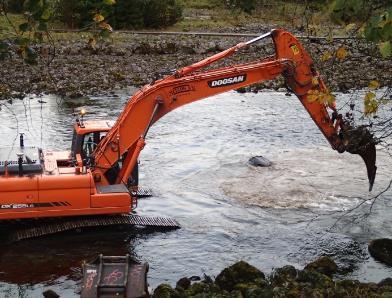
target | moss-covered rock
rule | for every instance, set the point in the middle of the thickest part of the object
(183, 283)
(242, 280)
(240, 272)
(386, 283)
(281, 275)
(165, 291)
(324, 265)
(265, 292)
(314, 279)
(202, 288)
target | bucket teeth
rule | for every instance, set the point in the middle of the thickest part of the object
(52, 227)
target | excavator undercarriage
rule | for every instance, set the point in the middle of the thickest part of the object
(19, 230)
(96, 182)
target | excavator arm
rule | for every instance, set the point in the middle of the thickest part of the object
(127, 137)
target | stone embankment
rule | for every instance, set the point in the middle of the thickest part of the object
(242, 280)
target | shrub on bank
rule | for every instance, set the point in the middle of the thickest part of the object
(122, 15)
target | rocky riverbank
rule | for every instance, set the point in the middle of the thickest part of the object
(243, 280)
(133, 59)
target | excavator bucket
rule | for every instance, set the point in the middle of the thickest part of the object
(369, 157)
(359, 140)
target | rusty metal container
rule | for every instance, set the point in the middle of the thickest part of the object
(113, 276)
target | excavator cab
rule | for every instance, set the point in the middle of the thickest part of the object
(86, 137)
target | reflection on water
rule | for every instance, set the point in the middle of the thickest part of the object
(196, 163)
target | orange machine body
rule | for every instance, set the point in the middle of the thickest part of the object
(95, 176)
(55, 186)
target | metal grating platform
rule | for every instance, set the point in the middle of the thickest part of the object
(142, 192)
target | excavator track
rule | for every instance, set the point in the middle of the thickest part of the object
(40, 228)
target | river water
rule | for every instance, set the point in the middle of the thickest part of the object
(196, 162)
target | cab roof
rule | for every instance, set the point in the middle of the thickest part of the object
(87, 126)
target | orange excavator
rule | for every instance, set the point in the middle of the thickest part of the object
(97, 181)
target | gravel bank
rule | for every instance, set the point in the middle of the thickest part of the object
(133, 59)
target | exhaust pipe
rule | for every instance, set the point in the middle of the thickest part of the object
(20, 164)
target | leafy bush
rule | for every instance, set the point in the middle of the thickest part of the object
(245, 5)
(161, 13)
(129, 14)
(123, 14)
(67, 11)
(15, 6)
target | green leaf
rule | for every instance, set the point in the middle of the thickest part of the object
(385, 48)
(109, 2)
(370, 104)
(22, 41)
(104, 34)
(4, 50)
(46, 14)
(4, 46)
(38, 36)
(386, 31)
(24, 27)
(42, 26)
(350, 27)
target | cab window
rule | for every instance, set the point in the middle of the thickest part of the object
(90, 142)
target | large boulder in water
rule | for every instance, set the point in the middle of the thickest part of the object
(324, 265)
(259, 161)
(239, 273)
(381, 250)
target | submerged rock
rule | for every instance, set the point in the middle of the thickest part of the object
(324, 265)
(381, 250)
(50, 294)
(240, 272)
(259, 161)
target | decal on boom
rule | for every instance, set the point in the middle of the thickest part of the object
(227, 81)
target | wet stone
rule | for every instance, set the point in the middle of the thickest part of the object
(165, 291)
(381, 250)
(280, 275)
(245, 281)
(195, 278)
(183, 283)
(240, 272)
(50, 294)
(315, 279)
(387, 282)
(324, 265)
(259, 161)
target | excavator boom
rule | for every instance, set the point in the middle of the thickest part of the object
(192, 83)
